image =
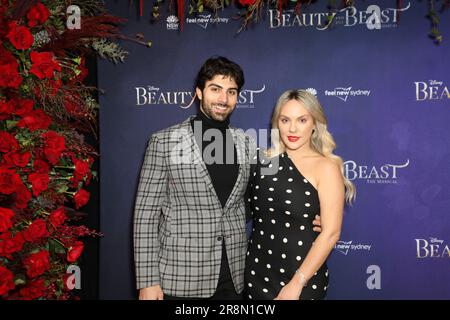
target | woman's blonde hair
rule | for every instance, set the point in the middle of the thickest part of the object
(321, 140)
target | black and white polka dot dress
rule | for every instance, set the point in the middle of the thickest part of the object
(284, 205)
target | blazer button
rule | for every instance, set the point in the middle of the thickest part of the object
(219, 238)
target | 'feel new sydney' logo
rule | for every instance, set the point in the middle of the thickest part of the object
(345, 246)
(343, 93)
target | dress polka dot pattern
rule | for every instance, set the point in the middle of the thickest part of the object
(283, 231)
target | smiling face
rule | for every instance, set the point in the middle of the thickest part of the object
(219, 97)
(296, 125)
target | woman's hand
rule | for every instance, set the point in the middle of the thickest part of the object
(290, 291)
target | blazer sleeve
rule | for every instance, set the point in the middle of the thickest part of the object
(150, 197)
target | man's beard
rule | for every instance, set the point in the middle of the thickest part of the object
(211, 111)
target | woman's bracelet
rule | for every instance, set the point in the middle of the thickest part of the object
(302, 278)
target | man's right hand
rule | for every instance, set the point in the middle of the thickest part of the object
(317, 224)
(151, 293)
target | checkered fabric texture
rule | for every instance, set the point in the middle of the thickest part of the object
(179, 223)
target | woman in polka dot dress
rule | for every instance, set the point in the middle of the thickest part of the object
(299, 178)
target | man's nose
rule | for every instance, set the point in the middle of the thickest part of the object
(223, 97)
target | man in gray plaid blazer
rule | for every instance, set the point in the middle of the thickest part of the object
(189, 226)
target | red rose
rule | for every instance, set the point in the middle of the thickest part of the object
(81, 168)
(35, 120)
(37, 14)
(6, 57)
(6, 280)
(6, 109)
(39, 182)
(82, 172)
(35, 289)
(81, 198)
(20, 36)
(21, 159)
(23, 106)
(43, 64)
(40, 166)
(5, 219)
(36, 230)
(9, 181)
(10, 244)
(58, 217)
(23, 196)
(7, 142)
(54, 146)
(9, 74)
(16, 159)
(7, 161)
(37, 263)
(75, 251)
(247, 2)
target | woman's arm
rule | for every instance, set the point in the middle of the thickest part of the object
(331, 196)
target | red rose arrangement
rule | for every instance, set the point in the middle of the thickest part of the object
(45, 163)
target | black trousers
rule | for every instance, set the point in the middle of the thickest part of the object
(225, 288)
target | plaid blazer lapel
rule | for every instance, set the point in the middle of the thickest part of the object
(241, 152)
(198, 162)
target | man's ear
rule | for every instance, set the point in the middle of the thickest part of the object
(199, 93)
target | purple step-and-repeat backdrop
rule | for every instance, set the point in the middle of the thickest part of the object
(384, 86)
